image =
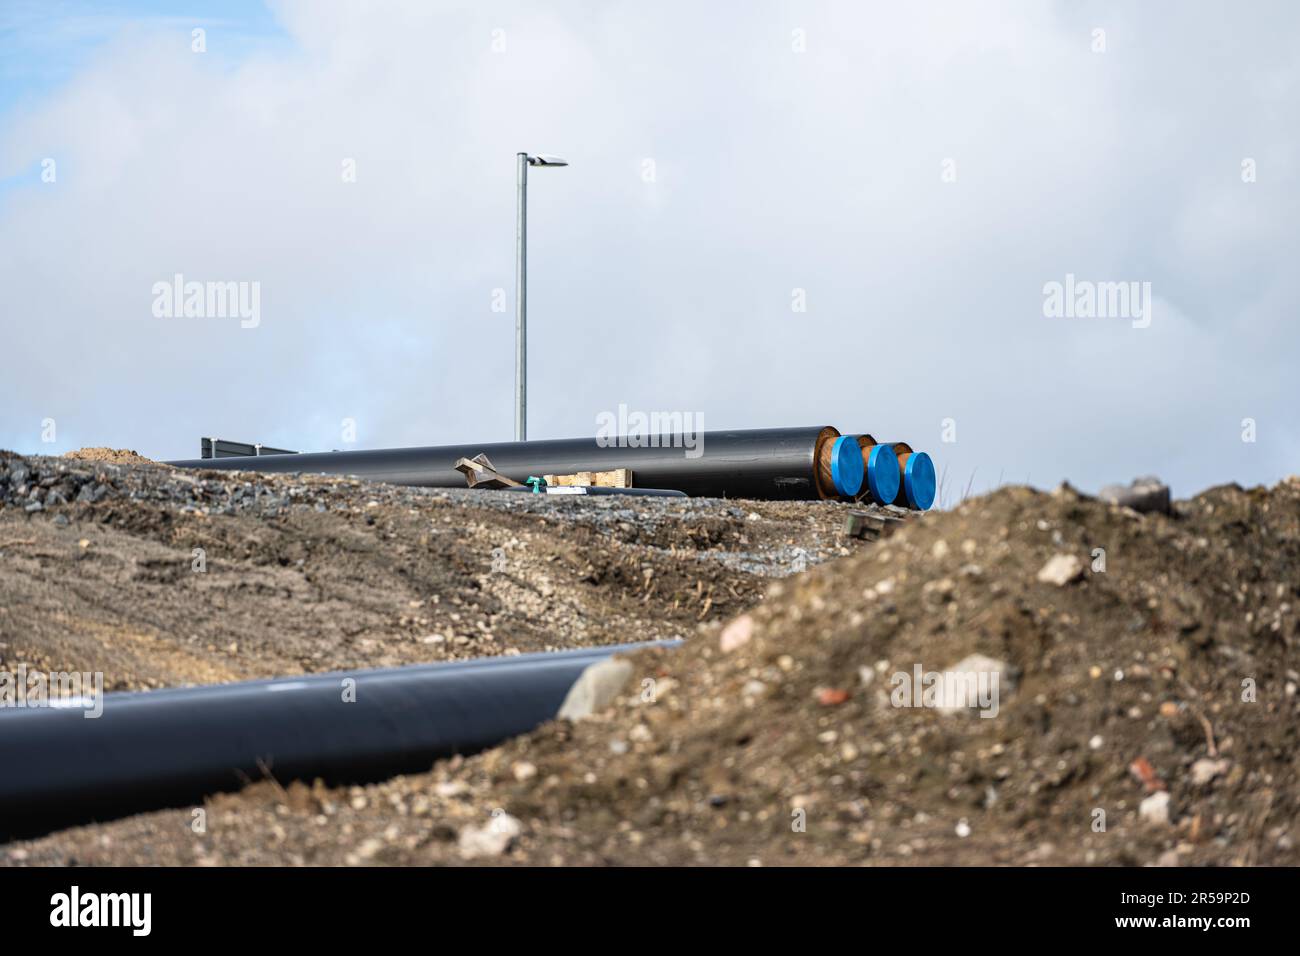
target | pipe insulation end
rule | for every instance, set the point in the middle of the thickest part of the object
(883, 476)
(918, 481)
(846, 466)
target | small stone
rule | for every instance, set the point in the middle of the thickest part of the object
(1096, 742)
(1146, 775)
(1146, 495)
(736, 634)
(1169, 709)
(963, 828)
(831, 696)
(1155, 808)
(596, 688)
(976, 681)
(942, 588)
(493, 839)
(524, 770)
(1205, 770)
(1061, 570)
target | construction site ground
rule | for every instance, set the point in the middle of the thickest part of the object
(1147, 707)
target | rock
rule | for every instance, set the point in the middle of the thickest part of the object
(1155, 808)
(524, 770)
(1147, 495)
(736, 634)
(596, 688)
(1146, 775)
(493, 839)
(1061, 570)
(831, 696)
(972, 678)
(1205, 770)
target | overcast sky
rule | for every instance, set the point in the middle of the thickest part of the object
(911, 174)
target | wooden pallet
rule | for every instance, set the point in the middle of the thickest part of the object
(618, 478)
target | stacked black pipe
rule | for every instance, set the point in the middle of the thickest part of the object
(757, 463)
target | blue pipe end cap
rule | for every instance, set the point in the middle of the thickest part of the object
(918, 481)
(882, 474)
(846, 466)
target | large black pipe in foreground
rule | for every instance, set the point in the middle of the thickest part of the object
(786, 463)
(171, 748)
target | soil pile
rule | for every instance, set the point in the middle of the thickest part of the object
(1144, 712)
(120, 456)
(160, 577)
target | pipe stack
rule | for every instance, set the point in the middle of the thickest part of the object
(809, 463)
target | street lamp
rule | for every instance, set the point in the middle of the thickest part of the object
(521, 289)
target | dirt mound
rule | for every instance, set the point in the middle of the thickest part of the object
(158, 576)
(1145, 713)
(119, 456)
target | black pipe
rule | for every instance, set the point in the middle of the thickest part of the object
(758, 463)
(168, 748)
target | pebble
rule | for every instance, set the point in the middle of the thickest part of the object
(736, 634)
(1061, 570)
(1146, 495)
(831, 696)
(1205, 770)
(524, 770)
(596, 688)
(976, 678)
(492, 839)
(1155, 808)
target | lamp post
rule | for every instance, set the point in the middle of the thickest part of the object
(521, 288)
